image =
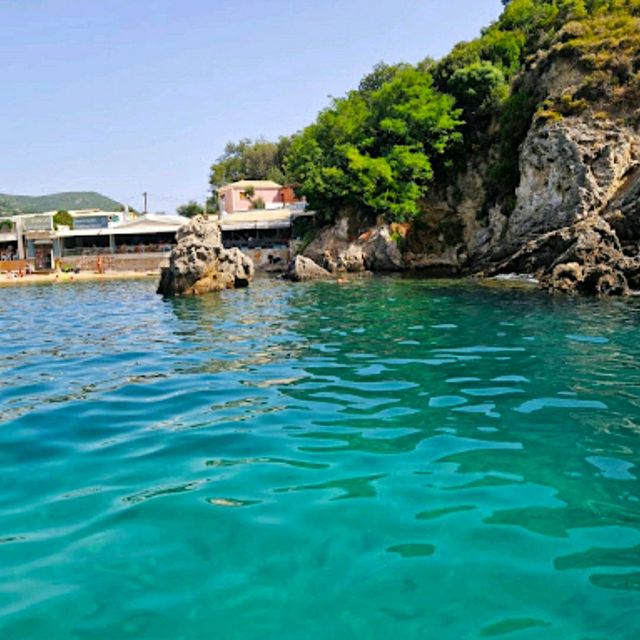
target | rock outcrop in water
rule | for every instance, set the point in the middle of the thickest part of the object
(585, 257)
(343, 249)
(199, 263)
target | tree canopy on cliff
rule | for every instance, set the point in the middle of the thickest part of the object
(379, 148)
(375, 148)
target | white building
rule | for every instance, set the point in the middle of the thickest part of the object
(38, 240)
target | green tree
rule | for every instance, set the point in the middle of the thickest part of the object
(63, 218)
(250, 160)
(479, 88)
(374, 149)
(381, 73)
(191, 209)
(213, 204)
(258, 203)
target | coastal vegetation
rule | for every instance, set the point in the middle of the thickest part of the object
(377, 148)
(251, 159)
(408, 129)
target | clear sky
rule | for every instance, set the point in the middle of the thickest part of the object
(126, 96)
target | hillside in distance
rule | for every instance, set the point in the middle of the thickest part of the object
(69, 200)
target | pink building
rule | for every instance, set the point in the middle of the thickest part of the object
(242, 195)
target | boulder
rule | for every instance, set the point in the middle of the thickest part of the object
(565, 277)
(304, 269)
(332, 240)
(199, 263)
(343, 248)
(351, 259)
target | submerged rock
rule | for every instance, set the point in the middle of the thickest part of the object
(199, 263)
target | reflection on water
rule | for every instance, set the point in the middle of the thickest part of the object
(389, 458)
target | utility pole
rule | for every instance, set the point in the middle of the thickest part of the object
(145, 194)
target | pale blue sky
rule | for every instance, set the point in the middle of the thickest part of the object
(126, 96)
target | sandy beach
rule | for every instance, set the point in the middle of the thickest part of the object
(10, 280)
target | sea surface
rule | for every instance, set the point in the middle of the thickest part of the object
(388, 458)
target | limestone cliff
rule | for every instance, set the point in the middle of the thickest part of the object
(572, 221)
(577, 217)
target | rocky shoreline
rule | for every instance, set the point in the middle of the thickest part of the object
(575, 227)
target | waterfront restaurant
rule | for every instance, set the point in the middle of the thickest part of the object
(259, 215)
(149, 234)
(117, 241)
(266, 236)
(260, 228)
(126, 242)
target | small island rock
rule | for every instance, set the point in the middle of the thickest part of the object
(199, 263)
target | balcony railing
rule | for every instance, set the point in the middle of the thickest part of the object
(122, 250)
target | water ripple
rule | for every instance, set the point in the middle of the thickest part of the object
(389, 458)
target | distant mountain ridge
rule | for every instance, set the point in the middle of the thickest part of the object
(68, 200)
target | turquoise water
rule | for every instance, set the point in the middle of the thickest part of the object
(384, 459)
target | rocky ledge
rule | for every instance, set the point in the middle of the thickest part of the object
(199, 263)
(585, 257)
